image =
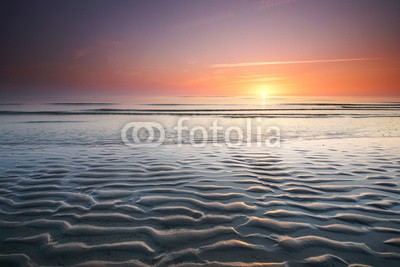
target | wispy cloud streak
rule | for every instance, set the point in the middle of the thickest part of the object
(267, 63)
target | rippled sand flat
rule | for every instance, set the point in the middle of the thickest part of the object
(332, 202)
(72, 194)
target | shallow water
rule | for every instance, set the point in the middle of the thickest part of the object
(72, 194)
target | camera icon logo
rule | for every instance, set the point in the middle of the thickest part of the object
(133, 134)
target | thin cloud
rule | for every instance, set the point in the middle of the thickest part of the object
(258, 78)
(268, 63)
(77, 54)
(103, 44)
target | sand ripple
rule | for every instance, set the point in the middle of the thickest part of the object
(300, 205)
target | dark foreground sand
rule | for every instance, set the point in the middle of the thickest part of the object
(324, 203)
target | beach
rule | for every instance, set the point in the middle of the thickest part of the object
(72, 193)
(200, 133)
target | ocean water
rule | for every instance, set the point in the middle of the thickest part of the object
(73, 193)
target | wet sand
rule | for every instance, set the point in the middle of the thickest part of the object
(323, 202)
(72, 194)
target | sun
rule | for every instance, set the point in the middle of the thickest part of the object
(264, 94)
(262, 90)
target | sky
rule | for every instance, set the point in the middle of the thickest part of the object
(200, 48)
